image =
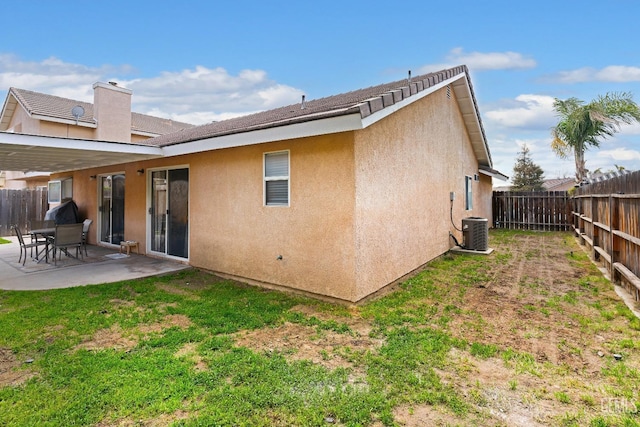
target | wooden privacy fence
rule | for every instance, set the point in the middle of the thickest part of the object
(21, 206)
(532, 210)
(606, 218)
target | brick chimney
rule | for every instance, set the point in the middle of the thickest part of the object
(112, 110)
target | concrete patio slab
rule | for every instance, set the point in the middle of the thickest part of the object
(101, 265)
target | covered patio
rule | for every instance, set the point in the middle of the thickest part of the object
(101, 265)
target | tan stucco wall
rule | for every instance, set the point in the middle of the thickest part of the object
(138, 138)
(233, 232)
(112, 109)
(66, 130)
(406, 167)
(21, 122)
(366, 207)
(484, 197)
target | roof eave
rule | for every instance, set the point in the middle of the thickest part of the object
(471, 116)
(144, 133)
(26, 153)
(81, 123)
(493, 173)
(309, 128)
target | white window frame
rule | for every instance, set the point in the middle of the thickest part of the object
(276, 178)
(59, 190)
(468, 192)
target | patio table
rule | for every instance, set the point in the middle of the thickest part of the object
(47, 233)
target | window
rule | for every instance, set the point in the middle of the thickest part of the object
(276, 178)
(60, 190)
(54, 193)
(67, 189)
(468, 193)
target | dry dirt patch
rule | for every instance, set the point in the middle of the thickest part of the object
(160, 421)
(177, 290)
(116, 338)
(510, 306)
(487, 384)
(10, 372)
(355, 322)
(187, 288)
(294, 341)
(424, 415)
(189, 352)
(301, 342)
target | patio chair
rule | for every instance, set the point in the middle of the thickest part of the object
(23, 245)
(85, 231)
(67, 236)
(38, 225)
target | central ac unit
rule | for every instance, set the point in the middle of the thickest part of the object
(476, 233)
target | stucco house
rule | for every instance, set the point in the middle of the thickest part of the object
(335, 197)
(108, 118)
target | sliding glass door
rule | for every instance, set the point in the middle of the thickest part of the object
(169, 212)
(111, 209)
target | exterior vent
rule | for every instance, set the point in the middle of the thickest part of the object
(448, 92)
(476, 233)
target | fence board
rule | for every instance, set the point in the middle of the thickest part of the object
(606, 217)
(21, 206)
(532, 210)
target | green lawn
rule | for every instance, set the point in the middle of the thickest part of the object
(471, 340)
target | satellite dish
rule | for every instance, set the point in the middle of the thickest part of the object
(77, 112)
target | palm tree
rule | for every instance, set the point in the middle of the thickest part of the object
(585, 125)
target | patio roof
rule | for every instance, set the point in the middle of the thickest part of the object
(28, 153)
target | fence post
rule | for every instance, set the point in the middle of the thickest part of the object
(615, 241)
(595, 238)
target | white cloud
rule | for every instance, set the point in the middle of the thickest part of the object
(478, 61)
(631, 129)
(504, 151)
(202, 95)
(526, 111)
(620, 154)
(54, 76)
(611, 73)
(199, 95)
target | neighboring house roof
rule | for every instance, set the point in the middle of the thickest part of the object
(54, 108)
(559, 184)
(339, 113)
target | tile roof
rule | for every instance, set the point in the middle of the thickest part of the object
(57, 107)
(559, 184)
(363, 101)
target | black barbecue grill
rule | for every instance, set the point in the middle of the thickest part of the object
(64, 213)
